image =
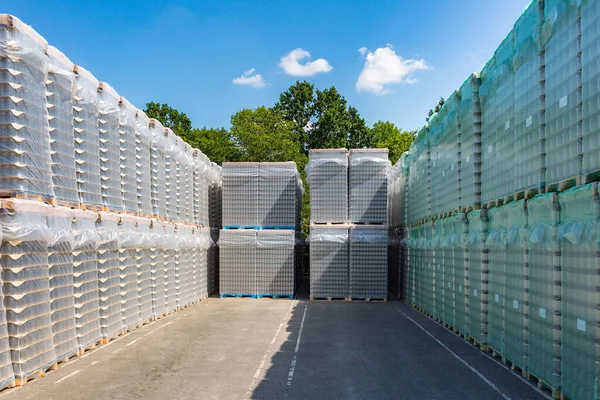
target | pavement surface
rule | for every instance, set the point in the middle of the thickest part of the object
(284, 349)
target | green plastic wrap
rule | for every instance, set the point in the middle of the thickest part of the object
(458, 243)
(413, 257)
(438, 268)
(578, 240)
(427, 264)
(590, 86)
(496, 245)
(447, 267)
(544, 289)
(477, 275)
(514, 341)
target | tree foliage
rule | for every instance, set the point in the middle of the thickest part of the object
(297, 104)
(437, 108)
(388, 135)
(170, 118)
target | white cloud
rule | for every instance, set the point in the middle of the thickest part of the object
(383, 67)
(362, 51)
(249, 78)
(291, 64)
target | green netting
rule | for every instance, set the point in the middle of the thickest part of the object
(590, 85)
(458, 243)
(514, 344)
(544, 289)
(427, 264)
(438, 268)
(477, 264)
(496, 244)
(447, 266)
(413, 260)
(578, 240)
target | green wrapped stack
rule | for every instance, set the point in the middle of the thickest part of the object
(438, 268)
(544, 289)
(478, 270)
(496, 243)
(426, 288)
(458, 242)
(447, 267)
(578, 240)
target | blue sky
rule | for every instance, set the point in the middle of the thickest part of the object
(187, 53)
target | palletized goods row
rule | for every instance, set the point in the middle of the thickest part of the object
(69, 139)
(74, 278)
(521, 279)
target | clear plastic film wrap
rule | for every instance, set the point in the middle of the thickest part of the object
(201, 187)
(60, 87)
(169, 254)
(368, 184)
(108, 138)
(478, 275)
(188, 178)
(144, 268)
(275, 262)
(128, 155)
(143, 163)
(496, 245)
(172, 151)
(590, 86)
(26, 287)
(578, 237)
(158, 169)
(85, 277)
(130, 240)
(204, 245)
(85, 128)
(60, 270)
(191, 268)
(278, 195)
(237, 261)
(240, 194)
(368, 272)
(181, 287)
(327, 172)
(24, 140)
(109, 282)
(157, 267)
(329, 261)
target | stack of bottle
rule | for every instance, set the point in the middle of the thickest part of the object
(349, 233)
(258, 245)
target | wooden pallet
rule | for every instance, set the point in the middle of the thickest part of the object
(328, 298)
(563, 185)
(545, 386)
(65, 358)
(67, 204)
(110, 338)
(476, 343)
(91, 207)
(90, 347)
(367, 299)
(589, 177)
(38, 373)
(27, 196)
(468, 209)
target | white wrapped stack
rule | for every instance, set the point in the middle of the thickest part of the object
(158, 169)
(170, 187)
(109, 281)
(85, 128)
(85, 278)
(180, 162)
(59, 98)
(143, 164)
(7, 377)
(169, 264)
(188, 178)
(157, 267)
(24, 139)
(108, 138)
(144, 269)
(127, 152)
(26, 286)
(60, 269)
(188, 275)
(128, 270)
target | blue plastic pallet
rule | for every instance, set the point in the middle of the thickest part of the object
(253, 296)
(242, 227)
(276, 296)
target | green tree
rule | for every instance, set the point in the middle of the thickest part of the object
(359, 134)
(297, 104)
(332, 123)
(438, 107)
(388, 135)
(216, 143)
(170, 118)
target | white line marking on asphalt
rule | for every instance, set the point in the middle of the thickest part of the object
(94, 363)
(483, 378)
(295, 358)
(261, 366)
(162, 326)
(68, 376)
(132, 342)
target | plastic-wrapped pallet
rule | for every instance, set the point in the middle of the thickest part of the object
(170, 188)
(216, 198)
(329, 258)
(544, 289)
(204, 245)
(515, 312)
(368, 183)
(437, 265)
(127, 155)
(7, 377)
(298, 260)
(108, 138)
(590, 87)
(200, 184)
(394, 271)
(414, 254)
(327, 172)
(143, 163)
(188, 178)
(404, 264)
(157, 266)
(59, 98)
(25, 144)
(477, 295)
(130, 241)
(62, 295)
(469, 115)
(560, 32)
(188, 260)
(418, 184)
(458, 243)
(240, 194)
(578, 239)
(213, 262)
(169, 260)
(277, 194)
(427, 265)
(109, 281)
(368, 262)
(496, 244)
(144, 269)
(527, 86)
(435, 129)
(85, 126)
(178, 156)
(444, 258)
(275, 269)
(26, 288)
(158, 171)
(237, 262)
(497, 114)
